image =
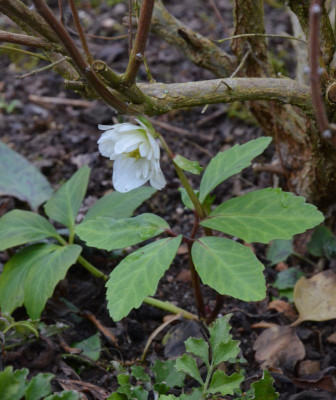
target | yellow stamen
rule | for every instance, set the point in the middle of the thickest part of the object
(135, 154)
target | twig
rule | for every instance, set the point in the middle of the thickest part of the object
(80, 31)
(130, 6)
(155, 333)
(94, 81)
(26, 40)
(264, 35)
(59, 101)
(140, 42)
(217, 12)
(45, 68)
(28, 53)
(314, 53)
(60, 8)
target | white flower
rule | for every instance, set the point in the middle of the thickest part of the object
(135, 152)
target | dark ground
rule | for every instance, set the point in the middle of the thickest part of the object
(61, 138)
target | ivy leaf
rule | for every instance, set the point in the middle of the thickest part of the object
(140, 374)
(198, 347)
(279, 250)
(187, 364)
(166, 373)
(229, 267)
(263, 389)
(21, 179)
(119, 205)
(138, 275)
(20, 227)
(39, 386)
(187, 165)
(111, 234)
(225, 384)
(264, 215)
(322, 243)
(64, 205)
(223, 348)
(230, 162)
(91, 346)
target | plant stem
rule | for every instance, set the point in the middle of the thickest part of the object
(93, 270)
(31, 41)
(207, 381)
(183, 179)
(165, 305)
(263, 35)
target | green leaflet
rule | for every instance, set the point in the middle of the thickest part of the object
(137, 276)
(20, 227)
(264, 215)
(111, 234)
(230, 162)
(230, 268)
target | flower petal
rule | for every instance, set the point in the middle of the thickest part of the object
(124, 175)
(157, 180)
(126, 142)
(155, 146)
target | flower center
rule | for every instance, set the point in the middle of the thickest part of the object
(135, 154)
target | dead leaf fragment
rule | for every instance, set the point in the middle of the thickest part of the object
(279, 347)
(284, 308)
(315, 298)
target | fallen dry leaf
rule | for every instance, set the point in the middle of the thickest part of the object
(281, 266)
(83, 387)
(308, 367)
(279, 347)
(284, 308)
(263, 325)
(184, 275)
(332, 338)
(315, 298)
(324, 380)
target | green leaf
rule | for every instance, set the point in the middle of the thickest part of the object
(13, 384)
(123, 379)
(229, 267)
(287, 279)
(322, 243)
(186, 199)
(198, 347)
(21, 179)
(224, 384)
(187, 364)
(39, 386)
(91, 346)
(111, 234)
(139, 393)
(187, 165)
(139, 373)
(119, 205)
(223, 348)
(230, 162)
(264, 215)
(45, 275)
(19, 227)
(31, 275)
(166, 373)
(279, 250)
(64, 205)
(138, 275)
(65, 395)
(196, 394)
(263, 389)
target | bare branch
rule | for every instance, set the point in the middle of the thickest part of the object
(80, 31)
(30, 41)
(140, 41)
(94, 81)
(199, 49)
(301, 9)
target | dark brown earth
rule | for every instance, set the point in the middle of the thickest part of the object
(61, 138)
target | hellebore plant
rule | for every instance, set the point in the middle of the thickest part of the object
(227, 265)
